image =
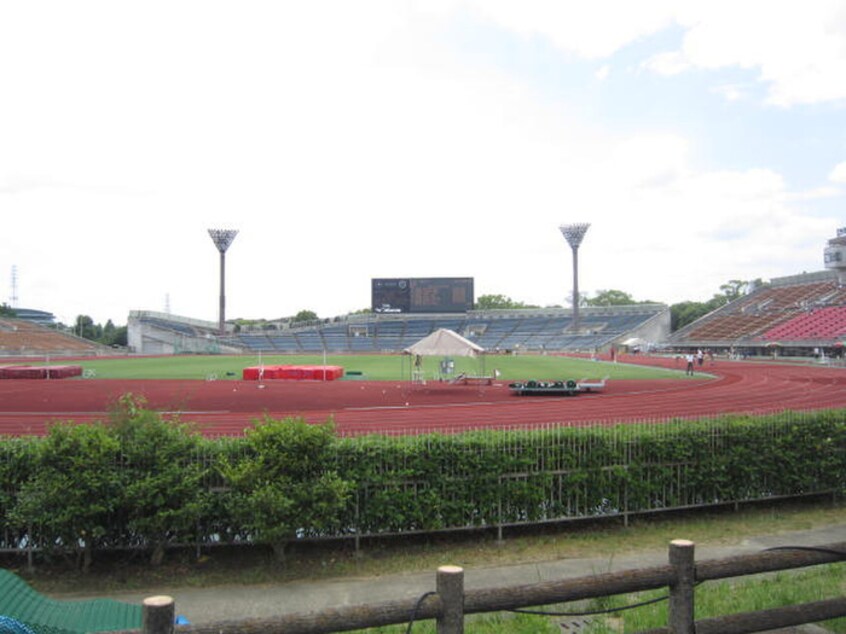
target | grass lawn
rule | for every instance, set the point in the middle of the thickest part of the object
(254, 566)
(337, 559)
(732, 596)
(372, 367)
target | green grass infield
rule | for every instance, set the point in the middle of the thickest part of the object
(370, 367)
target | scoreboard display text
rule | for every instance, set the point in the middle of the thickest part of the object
(422, 295)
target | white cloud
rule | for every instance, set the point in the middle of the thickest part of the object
(731, 92)
(838, 174)
(648, 161)
(349, 141)
(797, 50)
(591, 30)
(816, 193)
(668, 63)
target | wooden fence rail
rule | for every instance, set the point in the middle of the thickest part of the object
(449, 602)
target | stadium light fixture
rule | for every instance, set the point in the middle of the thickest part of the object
(574, 234)
(222, 239)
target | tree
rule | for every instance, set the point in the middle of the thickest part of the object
(109, 335)
(85, 327)
(7, 311)
(685, 313)
(283, 486)
(610, 298)
(113, 335)
(498, 302)
(305, 315)
(613, 298)
(121, 337)
(735, 289)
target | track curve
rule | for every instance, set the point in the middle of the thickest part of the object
(393, 407)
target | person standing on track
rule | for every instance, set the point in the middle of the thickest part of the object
(690, 362)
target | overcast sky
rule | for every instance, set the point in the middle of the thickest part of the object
(703, 141)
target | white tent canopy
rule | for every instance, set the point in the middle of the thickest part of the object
(445, 343)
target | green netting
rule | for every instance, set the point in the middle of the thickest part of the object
(13, 626)
(43, 615)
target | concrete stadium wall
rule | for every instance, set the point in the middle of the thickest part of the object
(656, 330)
(146, 338)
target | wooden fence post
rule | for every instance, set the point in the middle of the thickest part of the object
(450, 587)
(157, 615)
(681, 608)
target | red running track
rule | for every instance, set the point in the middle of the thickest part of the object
(358, 407)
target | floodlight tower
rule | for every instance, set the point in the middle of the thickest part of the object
(574, 234)
(835, 255)
(222, 238)
(13, 298)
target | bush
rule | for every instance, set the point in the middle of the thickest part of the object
(161, 478)
(145, 481)
(69, 500)
(282, 488)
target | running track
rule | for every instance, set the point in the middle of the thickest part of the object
(357, 407)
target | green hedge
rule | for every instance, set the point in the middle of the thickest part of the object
(489, 478)
(139, 480)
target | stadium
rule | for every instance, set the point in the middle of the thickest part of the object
(799, 317)
(403, 371)
(445, 443)
(795, 316)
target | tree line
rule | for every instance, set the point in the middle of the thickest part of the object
(108, 334)
(681, 314)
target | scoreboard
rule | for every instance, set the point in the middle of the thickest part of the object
(422, 295)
